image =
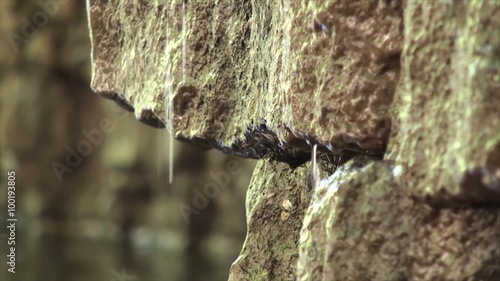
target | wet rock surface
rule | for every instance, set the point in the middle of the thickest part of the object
(410, 88)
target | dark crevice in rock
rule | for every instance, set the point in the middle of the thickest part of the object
(259, 142)
(479, 184)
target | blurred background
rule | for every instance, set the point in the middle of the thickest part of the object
(111, 214)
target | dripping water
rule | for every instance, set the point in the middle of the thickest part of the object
(168, 96)
(168, 103)
(183, 40)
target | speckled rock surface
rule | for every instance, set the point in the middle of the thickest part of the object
(345, 65)
(446, 130)
(362, 224)
(275, 208)
(325, 72)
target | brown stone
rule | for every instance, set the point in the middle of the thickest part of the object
(275, 209)
(445, 134)
(277, 65)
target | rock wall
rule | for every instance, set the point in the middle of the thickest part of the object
(401, 99)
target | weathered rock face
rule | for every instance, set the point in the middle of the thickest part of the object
(345, 63)
(448, 104)
(363, 224)
(314, 72)
(418, 81)
(275, 209)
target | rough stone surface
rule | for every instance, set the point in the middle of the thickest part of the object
(344, 57)
(320, 72)
(362, 224)
(275, 208)
(445, 134)
(416, 80)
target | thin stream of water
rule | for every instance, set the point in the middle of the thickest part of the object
(183, 41)
(168, 104)
(169, 89)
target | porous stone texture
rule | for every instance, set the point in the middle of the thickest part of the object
(275, 207)
(446, 129)
(308, 71)
(362, 224)
(344, 57)
(415, 81)
(422, 213)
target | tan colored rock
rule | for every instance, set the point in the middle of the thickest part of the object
(345, 63)
(275, 209)
(362, 224)
(268, 72)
